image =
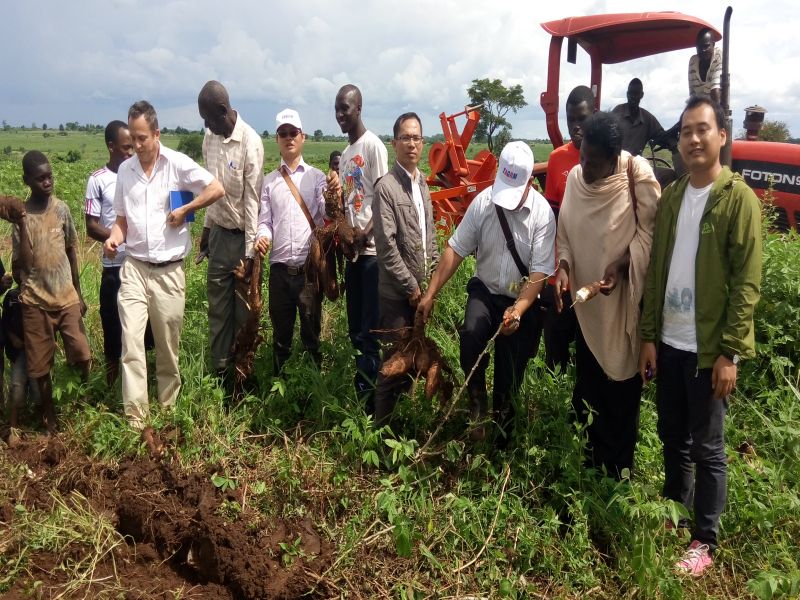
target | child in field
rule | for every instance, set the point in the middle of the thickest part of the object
(45, 262)
(19, 384)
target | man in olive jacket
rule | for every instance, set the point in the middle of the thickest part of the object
(702, 287)
(405, 244)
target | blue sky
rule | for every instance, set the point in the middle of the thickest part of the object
(88, 61)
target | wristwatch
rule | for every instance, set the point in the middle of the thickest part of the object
(734, 358)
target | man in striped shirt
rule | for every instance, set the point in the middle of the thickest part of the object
(233, 153)
(500, 294)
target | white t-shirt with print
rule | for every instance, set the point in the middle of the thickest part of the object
(679, 329)
(100, 203)
(362, 163)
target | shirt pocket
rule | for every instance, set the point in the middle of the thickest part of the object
(233, 182)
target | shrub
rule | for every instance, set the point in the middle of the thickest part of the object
(192, 146)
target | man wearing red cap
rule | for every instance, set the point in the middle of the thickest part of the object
(507, 281)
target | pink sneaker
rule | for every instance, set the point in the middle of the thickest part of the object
(695, 561)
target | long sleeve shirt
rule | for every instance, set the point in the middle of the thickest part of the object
(281, 220)
(238, 163)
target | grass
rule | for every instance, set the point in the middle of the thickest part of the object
(463, 520)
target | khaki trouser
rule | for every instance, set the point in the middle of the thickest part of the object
(158, 293)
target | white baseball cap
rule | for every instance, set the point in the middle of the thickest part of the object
(513, 173)
(288, 116)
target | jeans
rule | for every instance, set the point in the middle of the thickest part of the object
(361, 290)
(691, 427)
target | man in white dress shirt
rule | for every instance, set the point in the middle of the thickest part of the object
(291, 206)
(157, 240)
(500, 293)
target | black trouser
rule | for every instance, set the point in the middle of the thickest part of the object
(361, 290)
(691, 427)
(482, 318)
(559, 329)
(109, 316)
(395, 314)
(615, 423)
(289, 294)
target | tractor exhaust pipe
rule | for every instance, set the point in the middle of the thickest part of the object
(725, 88)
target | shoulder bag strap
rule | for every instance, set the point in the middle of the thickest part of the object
(298, 198)
(632, 188)
(510, 241)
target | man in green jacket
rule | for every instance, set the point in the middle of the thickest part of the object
(702, 288)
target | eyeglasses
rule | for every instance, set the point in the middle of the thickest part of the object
(409, 138)
(289, 133)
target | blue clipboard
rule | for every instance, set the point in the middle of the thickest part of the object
(178, 198)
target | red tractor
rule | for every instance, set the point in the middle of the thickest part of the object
(611, 39)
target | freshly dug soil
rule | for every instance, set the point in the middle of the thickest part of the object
(176, 533)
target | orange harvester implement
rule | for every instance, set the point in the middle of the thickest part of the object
(458, 178)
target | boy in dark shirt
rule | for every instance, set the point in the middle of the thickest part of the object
(44, 261)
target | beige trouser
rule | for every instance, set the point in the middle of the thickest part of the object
(158, 293)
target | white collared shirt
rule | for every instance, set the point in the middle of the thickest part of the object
(533, 227)
(282, 221)
(416, 196)
(144, 202)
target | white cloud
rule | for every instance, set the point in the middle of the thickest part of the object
(91, 64)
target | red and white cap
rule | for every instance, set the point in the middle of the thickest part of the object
(288, 116)
(513, 173)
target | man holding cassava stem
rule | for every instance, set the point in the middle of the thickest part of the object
(405, 244)
(292, 206)
(509, 277)
(706, 250)
(362, 163)
(233, 153)
(157, 240)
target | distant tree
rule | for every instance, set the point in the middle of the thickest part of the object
(497, 100)
(181, 130)
(265, 134)
(318, 135)
(44, 126)
(774, 131)
(33, 125)
(61, 127)
(500, 140)
(191, 145)
(164, 130)
(72, 126)
(6, 126)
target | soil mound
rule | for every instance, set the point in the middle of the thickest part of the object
(180, 530)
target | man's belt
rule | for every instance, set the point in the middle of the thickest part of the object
(159, 265)
(289, 269)
(233, 231)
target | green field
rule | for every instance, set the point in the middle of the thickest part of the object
(342, 511)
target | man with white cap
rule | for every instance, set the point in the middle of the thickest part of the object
(292, 206)
(508, 278)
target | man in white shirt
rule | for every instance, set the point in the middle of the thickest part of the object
(707, 232)
(405, 244)
(100, 216)
(157, 240)
(500, 292)
(362, 163)
(287, 228)
(233, 153)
